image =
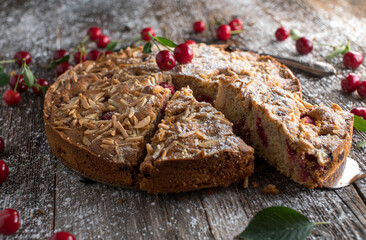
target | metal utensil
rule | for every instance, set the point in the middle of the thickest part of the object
(316, 68)
(345, 175)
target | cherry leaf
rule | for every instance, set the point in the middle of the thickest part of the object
(166, 42)
(147, 48)
(4, 78)
(112, 45)
(28, 77)
(58, 61)
(278, 223)
(359, 123)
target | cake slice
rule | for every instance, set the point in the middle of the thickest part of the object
(213, 62)
(304, 142)
(194, 148)
(98, 119)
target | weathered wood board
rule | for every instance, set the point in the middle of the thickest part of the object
(51, 197)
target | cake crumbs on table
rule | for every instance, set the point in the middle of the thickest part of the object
(270, 189)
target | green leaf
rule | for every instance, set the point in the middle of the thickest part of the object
(337, 51)
(58, 61)
(277, 223)
(359, 123)
(111, 45)
(4, 78)
(295, 34)
(29, 78)
(165, 42)
(147, 48)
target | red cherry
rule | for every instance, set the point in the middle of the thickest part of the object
(236, 24)
(93, 55)
(94, 33)
(103, 41)
(282, 33)
(350, 83)
(199, 26)
(19, 56)
(9, 221)
(146, 36)
(183, 53)
(168, 86)
(2, 145)
(62, 236)
(21, 85)
(11, 98)
(78, 58)
(59, 54)
(359, 111)
(223, 32)
(107, 116)
(165, 60)
(304, 45)
(40, 83)
(352, 59)
(108, 52)
(63, 67)
(190, 42)
(361, 90)
(4, 171)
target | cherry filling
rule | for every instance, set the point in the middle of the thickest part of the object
(107, 116)
(261, 133)
(204, 98)
(240, 130)
(162, 110)
(308, 119)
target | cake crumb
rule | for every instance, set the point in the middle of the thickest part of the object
(246, 181)
(270, 189)
(121, 200)
(41, 211)
(255, 184)
(210, 191)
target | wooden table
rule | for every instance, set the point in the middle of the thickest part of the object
(52, 198)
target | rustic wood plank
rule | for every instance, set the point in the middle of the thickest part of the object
(95, 211)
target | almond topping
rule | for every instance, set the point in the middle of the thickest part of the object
(121, 129)
(86, 141)
(149, 149)
(208, 144)
(143, 123)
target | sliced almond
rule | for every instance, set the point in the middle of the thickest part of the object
(208, 144)
(143, 123)
(86, 141)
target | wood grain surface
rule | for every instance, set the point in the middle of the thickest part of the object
(52, 198)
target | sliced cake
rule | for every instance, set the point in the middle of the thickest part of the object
(99, 117)
(304, 142)
(194, 148)
(212, 62)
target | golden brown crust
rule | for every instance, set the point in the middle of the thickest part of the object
(87, 163)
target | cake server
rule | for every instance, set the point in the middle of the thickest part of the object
(316, 68)
(346, 174)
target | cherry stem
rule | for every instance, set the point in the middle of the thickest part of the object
(236, 31)
(8, 61)
(21, 70)
(153, 40)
